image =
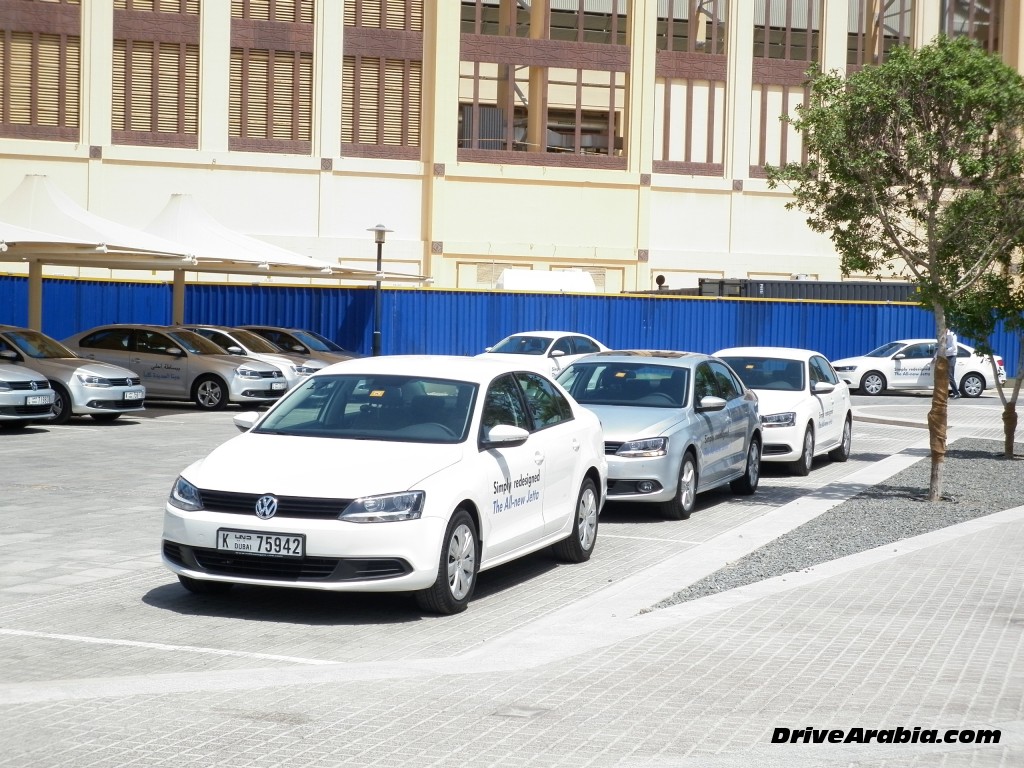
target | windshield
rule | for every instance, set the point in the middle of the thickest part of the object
(254, 342)
(404, 409)
(196, 344)
(317, 342)
(35, 344)
(636, 384)
(886, 350)
(769, 373)
(522, 345)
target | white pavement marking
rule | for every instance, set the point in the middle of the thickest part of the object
(161, 646)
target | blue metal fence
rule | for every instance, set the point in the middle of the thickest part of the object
(465, 322)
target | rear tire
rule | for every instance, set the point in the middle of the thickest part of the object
(747, 484)
(579, 545)
(802, 466)
(457, 568)
(680, 506)
(210, 393)
(202, 587)
(842, 453)
(972, 385)
(61, 404)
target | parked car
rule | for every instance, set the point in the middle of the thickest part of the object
(297, 341)
(80, 387)
(25, 395)
(910, 364)
(397, 473)
(805, 408)
(238, 341)
(547, 351)
(177, 364)
(675, 424)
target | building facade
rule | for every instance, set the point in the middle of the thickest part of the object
(625, 138)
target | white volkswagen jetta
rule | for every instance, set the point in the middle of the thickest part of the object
(399, 473)
(805, 407)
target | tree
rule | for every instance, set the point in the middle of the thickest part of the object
(916, 167)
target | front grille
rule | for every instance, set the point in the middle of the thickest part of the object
(270, 374)
(611, 449)
(133, 382)
(117, 405)
(27, 385)
(27, 410)
(287, 506)
(284, 568)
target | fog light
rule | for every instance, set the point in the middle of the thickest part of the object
(645, 486)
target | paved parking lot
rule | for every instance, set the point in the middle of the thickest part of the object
(105, 660)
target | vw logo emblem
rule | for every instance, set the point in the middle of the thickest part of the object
(266, 507)
(35, 386)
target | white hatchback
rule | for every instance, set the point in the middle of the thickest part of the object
(805, 407)
(910, 364)
(397, 473)
(546, 351)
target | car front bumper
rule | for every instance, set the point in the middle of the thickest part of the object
(85, 400)
(339, 556)
(256, 390)
(627, 477)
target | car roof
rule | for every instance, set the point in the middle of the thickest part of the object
(548, 334)
(785, 353)
(459, 368)
(661, 356)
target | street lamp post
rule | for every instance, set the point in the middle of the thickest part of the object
(379, 233)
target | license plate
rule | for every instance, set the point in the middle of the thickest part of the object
(134, 395)
(278, 385)
(261, 543)
(38, 399)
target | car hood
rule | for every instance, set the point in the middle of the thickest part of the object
(773, 401)
(621, 423)
(857, 361)
(320, 467)
(65, 367)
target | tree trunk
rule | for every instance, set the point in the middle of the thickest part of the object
(1009, 427)
(938, 415)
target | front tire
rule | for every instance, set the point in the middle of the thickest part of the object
(456, 570)
(873, 383)
(747, 484)
(842, 452)
(681, 505)
(579, 546)
(802, 466)
(972, 385)
(203, 587)
(61, 404)
(210, 394)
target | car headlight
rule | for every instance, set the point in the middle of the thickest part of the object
(5, 387)
(844, 368)
(386, 508)
(303, 370)
(779, 419)
(648, 448)
(89, 380)
(247, 373)
(185, 496)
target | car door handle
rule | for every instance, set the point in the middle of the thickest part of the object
(538, 458)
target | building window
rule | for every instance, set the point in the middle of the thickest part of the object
(382, 79)
(40, 70)
(977, 19)
(543, 83)
(787, 40)
(691, 71)
(875, 28)
(271, 88)
(156, 73)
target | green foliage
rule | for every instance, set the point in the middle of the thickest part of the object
(916, 165)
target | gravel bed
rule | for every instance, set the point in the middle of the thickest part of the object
(977, 481)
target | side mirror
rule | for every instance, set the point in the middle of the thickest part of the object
(246, 420)
(488, 349)
(711, 403)
(235, 350)
(556, 353)
(822, 387)
(8, 354)
(300, 349)
(900, 356)
(505, 436)
(176, 351)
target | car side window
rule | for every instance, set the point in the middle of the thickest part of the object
(222, 340)
(547, 405)
(154, 343)
(503, 404)
(563, 345)
(961, 352)
(584, 346)
(822, 371)
(727, 383)
(108, 338)
(919, 352)
(704, 384)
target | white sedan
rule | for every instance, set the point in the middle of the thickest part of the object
(805, 407)
(910, 364)
(545, 351)
(396, 473)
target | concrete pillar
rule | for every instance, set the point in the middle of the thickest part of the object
(35, 295)
(834, 32)
(97, 71)
(327, 69)
(178, 298)
(537, 96)
(740, 55)
(214, 75)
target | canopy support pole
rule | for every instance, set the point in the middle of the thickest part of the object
(178, 298)
(35, 295)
